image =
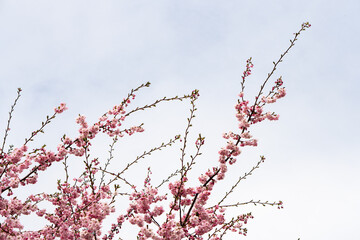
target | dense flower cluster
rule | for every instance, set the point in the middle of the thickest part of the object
(72, 219)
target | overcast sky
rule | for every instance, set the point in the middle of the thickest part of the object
(90, 54)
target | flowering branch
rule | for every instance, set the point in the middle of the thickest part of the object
(253, 116)
(81, 207)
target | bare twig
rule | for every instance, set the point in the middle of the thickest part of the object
(108, 160)
(164, 99)
(242, 178)
(168, 178)
(9, 119)
(280, 203)
(66, 169)
(163, 145)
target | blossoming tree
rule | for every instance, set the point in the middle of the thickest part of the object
(82, 203)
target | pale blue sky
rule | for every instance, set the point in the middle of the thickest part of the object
(89, 54)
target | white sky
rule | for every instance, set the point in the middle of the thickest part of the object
(89, 54)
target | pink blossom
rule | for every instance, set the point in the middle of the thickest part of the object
(60, 108)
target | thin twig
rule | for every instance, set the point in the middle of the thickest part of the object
(250, 202)
(163, 145)
(121, 178)
(242, 178)
(108, 160)
(182, 158)
(164, 99)
(168, 178)
(66, 169)
(9, 119)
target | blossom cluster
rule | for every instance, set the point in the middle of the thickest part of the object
(70, 218)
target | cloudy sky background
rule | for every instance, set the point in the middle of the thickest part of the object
(89, 54)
